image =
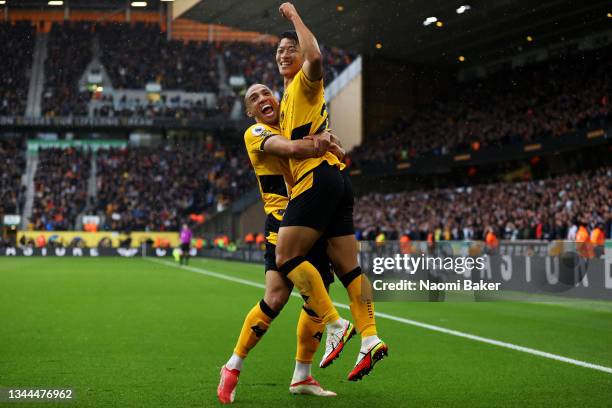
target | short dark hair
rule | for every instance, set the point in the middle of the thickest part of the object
(290, 34)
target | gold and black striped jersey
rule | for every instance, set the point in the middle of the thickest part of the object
(303, 112)
(273, 173)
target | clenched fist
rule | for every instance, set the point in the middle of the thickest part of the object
(288, 11)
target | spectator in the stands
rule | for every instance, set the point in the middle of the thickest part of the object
(545, 209)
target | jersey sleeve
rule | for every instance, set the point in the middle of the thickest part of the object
(256, 136)
(309, 87)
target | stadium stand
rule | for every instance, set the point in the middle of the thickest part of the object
(60, 188)
(255, 62)
(173, 108)
(539, 209)
(146, 56)
(16, 55)
(69, 52)
(336, 60)
(154, 189)
(535, 102)
(12, 193)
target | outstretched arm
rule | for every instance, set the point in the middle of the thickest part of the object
(313, 64)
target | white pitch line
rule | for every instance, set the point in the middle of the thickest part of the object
(439, 329)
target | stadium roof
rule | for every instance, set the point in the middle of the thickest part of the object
(489, 30)
(80, 4)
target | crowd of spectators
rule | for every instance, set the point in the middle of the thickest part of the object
(16, 55)
(335, 61)
(158, 188)
(136, 54)
(543, 209)
(60, 188)
(255, 62)
(139, 53)
(69, 51)
(526, 104)
(12, 193)
(155, 189)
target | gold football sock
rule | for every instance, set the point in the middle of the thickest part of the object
(255, 325)
(310, 329)
(307, 279)
(362, 307)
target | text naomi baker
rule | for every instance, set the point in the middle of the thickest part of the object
(406, 285)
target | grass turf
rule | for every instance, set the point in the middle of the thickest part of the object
(136, 333)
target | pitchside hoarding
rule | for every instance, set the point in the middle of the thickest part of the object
(448, 271)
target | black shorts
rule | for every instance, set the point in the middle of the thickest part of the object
(326, 206)
(185, 248)
(317, 255)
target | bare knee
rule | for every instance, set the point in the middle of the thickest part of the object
(276, 298)
(278, 290)
(293, 242)
(343, 255)
(283, 256)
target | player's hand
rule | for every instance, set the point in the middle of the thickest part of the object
(334, 138)
(288, 11)
(324, 140)
(321, 142)
(337, 151)
(317, 150)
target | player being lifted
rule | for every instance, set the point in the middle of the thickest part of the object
(321, 202)
(268, 152)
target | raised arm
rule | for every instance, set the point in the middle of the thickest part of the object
(313, 64)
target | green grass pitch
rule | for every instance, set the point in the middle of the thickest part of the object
(140, 333)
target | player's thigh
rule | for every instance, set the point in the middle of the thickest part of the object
(341, 223)
(343, 252)
(309, 212)
(294, 241)
(278, 290)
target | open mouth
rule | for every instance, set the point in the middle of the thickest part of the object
(267, 110)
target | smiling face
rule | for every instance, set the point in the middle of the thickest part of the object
(261, 104)
(289, 59)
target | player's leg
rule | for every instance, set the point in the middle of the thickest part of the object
(256, 323)
(309, 333)
(314, 199)
(260, 317)
(342, 248)
(185, 254)
(308, 213)
(294, 242)
(342, 251)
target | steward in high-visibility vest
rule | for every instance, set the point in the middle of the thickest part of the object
(583, 243)
(405, 245)
(380, 238)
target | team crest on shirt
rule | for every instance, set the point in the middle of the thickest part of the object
(259, 130)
